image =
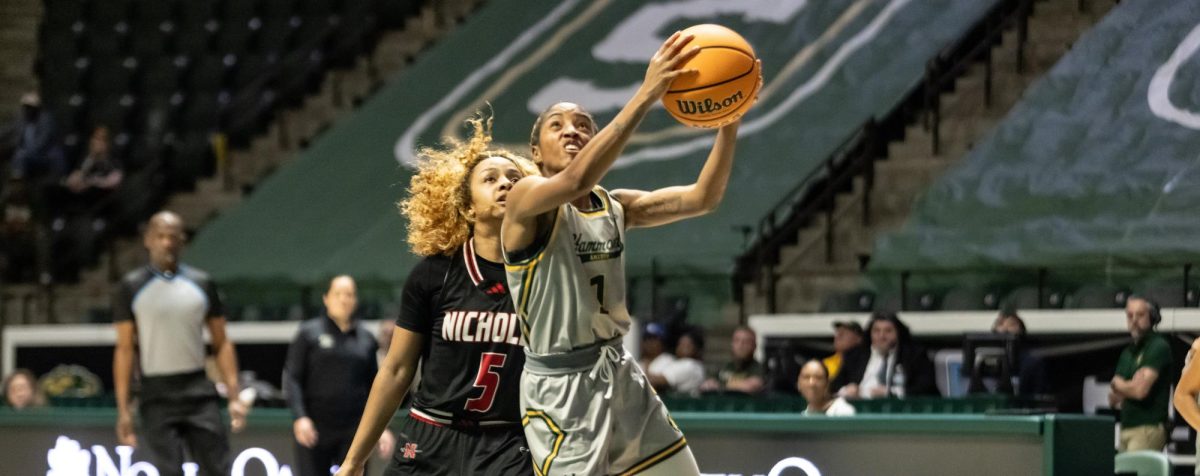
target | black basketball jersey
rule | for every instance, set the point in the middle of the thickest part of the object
(473, 355)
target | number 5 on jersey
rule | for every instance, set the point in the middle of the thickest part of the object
(487, 379)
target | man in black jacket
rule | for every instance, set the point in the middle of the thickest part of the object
(888, 364)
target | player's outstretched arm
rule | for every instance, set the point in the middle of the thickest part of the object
(391, 383)
(533, 196)
(666, 205)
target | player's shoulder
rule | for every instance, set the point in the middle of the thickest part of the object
(430, 267)
(135, 279)
(1160, 342)
(434, 263)
(312, 326)
(197, 275)
(141, 273)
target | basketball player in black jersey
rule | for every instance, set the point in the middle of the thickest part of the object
(458, 321)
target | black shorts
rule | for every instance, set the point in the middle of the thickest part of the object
(426, 449)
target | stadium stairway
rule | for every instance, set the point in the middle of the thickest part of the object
(239, 171)
(806, 278)
(18, 44)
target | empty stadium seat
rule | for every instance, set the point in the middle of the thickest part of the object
(112, 111)
(67, 77)
(191, 158)
(855, 301)
(201, 113)
(276, 34)
(194, 38)
(160, 76)
(1096, 296)
(1143, 463)
(112, 77)
(210, 72)
(150, 40)
(105, 41)
(1165, 294)
(240, 11)
(235, 35)
(278, 8)
(970, 299)
(1026, 297)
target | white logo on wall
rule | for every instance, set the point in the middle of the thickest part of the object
(68, 458)
(793, 462)
(1158, 94)
(633, 40)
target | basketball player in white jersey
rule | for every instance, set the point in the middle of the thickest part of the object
(589, 408)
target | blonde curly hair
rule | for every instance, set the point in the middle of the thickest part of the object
(439, 195)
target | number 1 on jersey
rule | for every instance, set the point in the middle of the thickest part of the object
(598, 282)
(488, 380)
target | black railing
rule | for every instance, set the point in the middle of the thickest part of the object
(817, 193)
(1171, 285)
(943, 70)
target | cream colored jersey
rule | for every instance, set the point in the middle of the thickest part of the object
(571, 293)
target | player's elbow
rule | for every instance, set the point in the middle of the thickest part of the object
(707, 203)
(1183, 394)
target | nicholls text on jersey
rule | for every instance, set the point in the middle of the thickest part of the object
(481, 326)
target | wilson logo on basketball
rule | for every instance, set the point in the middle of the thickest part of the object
(708, 106)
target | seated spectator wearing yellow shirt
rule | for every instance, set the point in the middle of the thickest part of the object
(846, 336)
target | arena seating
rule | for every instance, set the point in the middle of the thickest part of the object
(1083, 178)
(166, 75)
(842, 62)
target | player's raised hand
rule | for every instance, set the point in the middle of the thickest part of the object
(667, 64)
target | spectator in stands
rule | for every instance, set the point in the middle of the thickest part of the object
(813, 383)
(654, 357)
(330, 367)
(21, 390)
(98, 175)
(162, 309)
(18, 234)
(38, 157)
(847, 335)
(743, 373)
(1031, 370)
(685, 374)
(1136, 387)
(890, 364)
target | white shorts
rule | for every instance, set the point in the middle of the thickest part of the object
(592, 411)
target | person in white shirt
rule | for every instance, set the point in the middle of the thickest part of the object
(813, 383)
(686, 373)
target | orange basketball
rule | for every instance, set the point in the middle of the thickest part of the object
(727, 83)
